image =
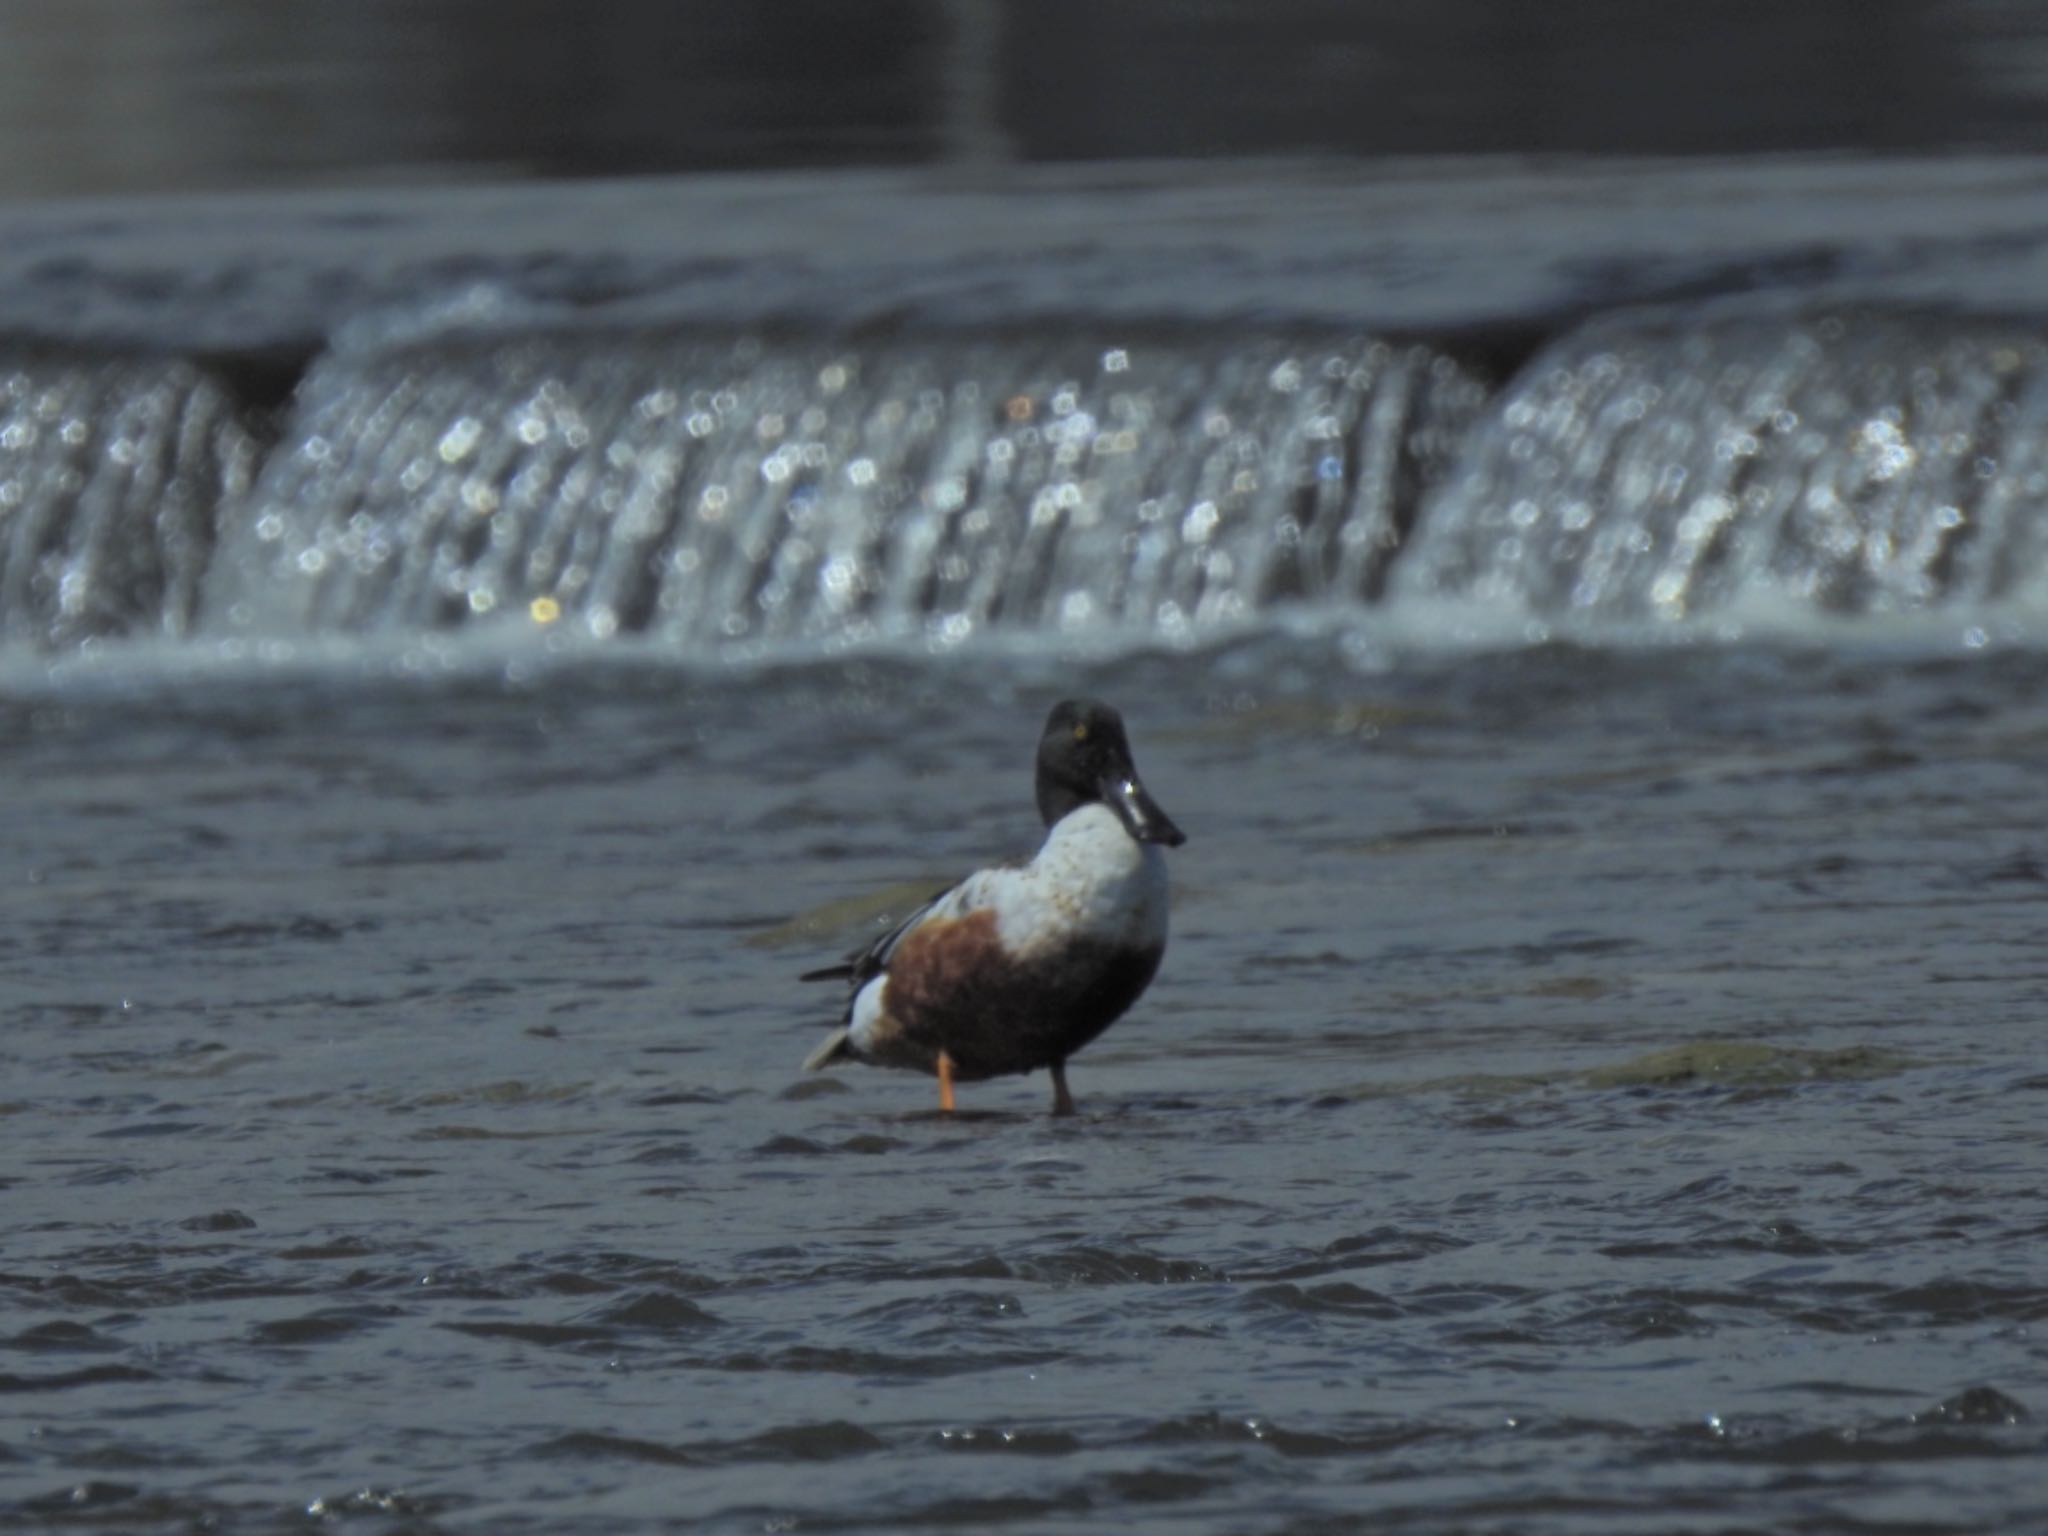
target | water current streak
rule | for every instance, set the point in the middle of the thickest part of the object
(712, 489)
(706, 487)
(1661, 466)
(113, 472)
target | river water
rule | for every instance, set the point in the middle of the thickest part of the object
(1594, 1083)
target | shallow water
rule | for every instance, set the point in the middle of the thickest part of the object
(1585, 1091)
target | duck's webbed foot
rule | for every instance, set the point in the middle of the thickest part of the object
(945, 1083)
(1062, 1100)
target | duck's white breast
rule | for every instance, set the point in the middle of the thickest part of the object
(1091, 881)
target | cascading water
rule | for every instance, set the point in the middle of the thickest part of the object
(704, 489)
(1659, 467)
(113, 473)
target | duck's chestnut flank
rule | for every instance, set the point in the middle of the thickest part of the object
(1031, 1009)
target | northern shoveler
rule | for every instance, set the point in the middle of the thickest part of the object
(1019, 966)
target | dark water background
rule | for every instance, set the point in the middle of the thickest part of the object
(1584, 1092)
(136, 96)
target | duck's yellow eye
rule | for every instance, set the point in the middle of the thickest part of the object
(1080, 733)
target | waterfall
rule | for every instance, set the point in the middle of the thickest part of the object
(701, 488)
(114, 472)
(1662, 466)
(705, 489)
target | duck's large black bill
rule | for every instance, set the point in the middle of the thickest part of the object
(1139, 811)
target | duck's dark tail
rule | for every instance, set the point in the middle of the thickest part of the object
(838, 1046)
(839, 972)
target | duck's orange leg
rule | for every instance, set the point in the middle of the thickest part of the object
(1062, 1101)
(945, 1083)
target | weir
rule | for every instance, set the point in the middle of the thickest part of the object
(701, 487)
(711, 489)
(1666, 465)
(114, 474)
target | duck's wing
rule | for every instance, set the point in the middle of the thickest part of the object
(864, 965)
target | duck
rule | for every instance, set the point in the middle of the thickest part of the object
(1018, 966)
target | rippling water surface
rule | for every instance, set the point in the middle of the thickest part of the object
(1585, 1091)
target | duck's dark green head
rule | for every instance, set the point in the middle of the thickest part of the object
(1084, 758)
